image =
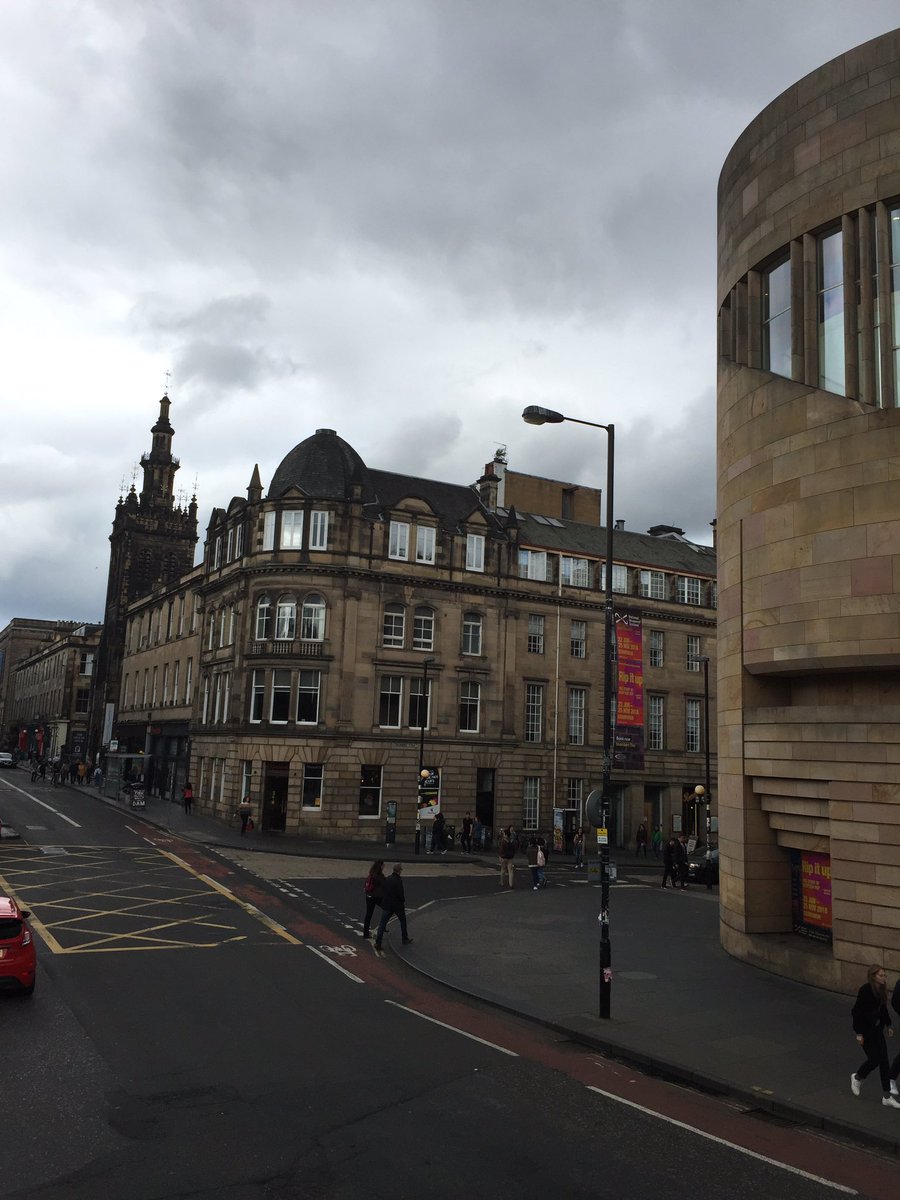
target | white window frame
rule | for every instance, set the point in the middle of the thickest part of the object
(657, 648)
(578, 639)
(656, 722)
(619, 577)
(262, 624)
(257, 697)
(534, 713)
(307, 689)
(693, 652)
(188, 680)
(279, 690)
(312, 618)
(398, 541)
(285, 619)
(469, 704)
(692, 725)
(575, 572)
(393, 618)
(268, 540)
(425, 543)
(291, 536)
(318, 529)
(652, 584)
(531, 802)
(577, 711)
(475, 552)
(533, 564)
(309, 776)
(239, 540)
(688, 589)
(472, 634)
(390, 686)
(423, 628)
(536, 628)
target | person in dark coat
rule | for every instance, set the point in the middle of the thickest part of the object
(642, 840)
(465, 838)
(437, 835)
(670, 862)
(374, 891)
(895, 1065)
(871, 1020)
(681, 860)
(393, 900)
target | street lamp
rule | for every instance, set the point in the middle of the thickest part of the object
(704, 792)
(536, 415)
(423, 773)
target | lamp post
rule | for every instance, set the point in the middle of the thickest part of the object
(704, 793)
(423, 773)
(535, 415)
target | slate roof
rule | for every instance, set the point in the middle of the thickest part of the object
(323, 466)
(638, 549)
(452, 503)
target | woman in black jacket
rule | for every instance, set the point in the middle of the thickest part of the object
(870, 1020)
(374, 890)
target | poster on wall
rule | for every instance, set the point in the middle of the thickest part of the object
(811, 895)
(628, 752)
(429, 803)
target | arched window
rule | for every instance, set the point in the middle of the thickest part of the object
(312, 619)
(423, 629)
(263, 618)
(393, 626)
(286, 619)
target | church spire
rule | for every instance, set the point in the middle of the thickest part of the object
(158, 490)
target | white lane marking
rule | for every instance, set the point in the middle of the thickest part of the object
(453, 1029)
(711, 1137)
(48, 807)
(337, 966)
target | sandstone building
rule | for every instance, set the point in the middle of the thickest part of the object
(809, 525)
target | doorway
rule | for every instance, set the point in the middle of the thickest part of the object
(275, 795)
(484, 800)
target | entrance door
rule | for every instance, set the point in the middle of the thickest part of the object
(484, 797)
(275, 794)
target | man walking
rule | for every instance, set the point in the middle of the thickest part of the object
(466, 837)
(393, 900)
(509, 844)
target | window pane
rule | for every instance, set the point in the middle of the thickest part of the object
(469, 705)
(423, 629)
(318, 530)
(313, 777)
(474, 552)
(389, 701)
(531, 802)
(578, 637)
(285, 620)
(370, 791)
(424, 544)
(291, 529)
(419, 707)
(308, 697)
(312, 619)
(471, 641)
(398, 545)
(392, 630)
(534, 712)
(831, 313)
(281, 696)
(777, 319)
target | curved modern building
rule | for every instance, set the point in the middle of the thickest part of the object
(809, 525)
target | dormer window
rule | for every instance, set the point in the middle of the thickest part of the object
(398, 544)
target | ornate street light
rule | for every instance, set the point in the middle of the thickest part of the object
(536, 415)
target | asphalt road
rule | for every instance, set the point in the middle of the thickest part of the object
(207, 1028)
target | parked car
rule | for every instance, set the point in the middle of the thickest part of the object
(17, 956)
(697, 864)
(6, 760)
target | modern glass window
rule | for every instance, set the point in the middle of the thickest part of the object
(656, 720)
(474, 551)
(533, 565)
(424, 544)
(318, 529)
(423, 629)
(831, 312)
(263, 618)
(469, 707)
(535, 634)
(693, 652)
(390, 697)
(472, 629)
(313, 785)
(398, 545)
(619, 577)
(269, 530)
(257, 696)
(370, 778)
(534, 712)
(692, 725)
(577, 706)
(286, 619)
(291, 529)
(776, 319)
(687, 589)
(312, 619)
(308, 689)
(280, 712)
(578, 639)
(393, 626)
(652, 584)
(419, 704)
(657, 647)
(531, 802)
(575, 572)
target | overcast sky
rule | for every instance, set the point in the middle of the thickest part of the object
(404, 221)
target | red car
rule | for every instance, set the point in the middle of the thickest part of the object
(17, 957)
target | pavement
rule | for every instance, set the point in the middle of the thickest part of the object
(681, 1008)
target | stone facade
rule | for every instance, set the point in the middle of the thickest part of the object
(809, 525)
(331, 605)
(52, 692)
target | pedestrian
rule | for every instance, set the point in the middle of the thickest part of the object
(657, 842)
(670, 862)
(245, 812)
(437, 835)
(871, 1020)
(393, 900)
(543, 859)
(374, 891)
(895, 1065)
(509, 844)
(478, 834)
(82, 773)
(465, 837)
(642, 839)
(578, 847)
(64, 773)
(531, 854)
(681, 859)
(187, 796)
(98, 778)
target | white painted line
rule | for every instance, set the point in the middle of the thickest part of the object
(710, 1137)
(453, 1029)
(48, 807)
(337, 966)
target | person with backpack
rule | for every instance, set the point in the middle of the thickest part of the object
(509, 844)
(374, 891)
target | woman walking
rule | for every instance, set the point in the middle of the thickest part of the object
(374, 890)
(871, 1020)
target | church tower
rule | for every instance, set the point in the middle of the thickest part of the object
(152, 542)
